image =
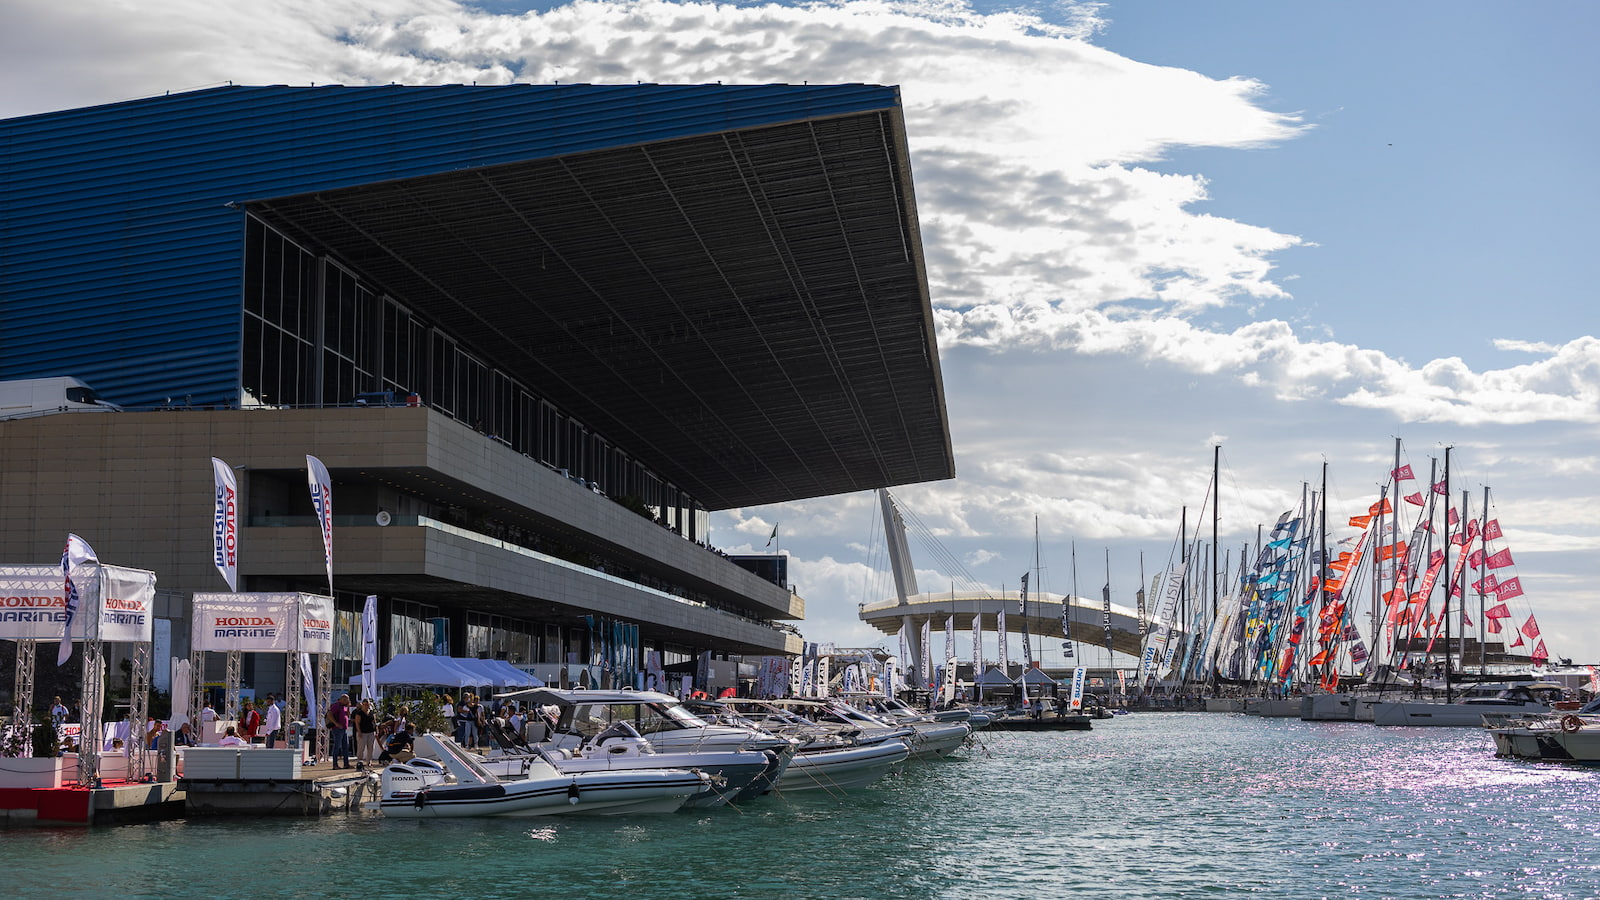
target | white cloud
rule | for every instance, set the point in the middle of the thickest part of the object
(1097, 324)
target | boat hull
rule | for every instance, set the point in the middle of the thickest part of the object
(1419, 713)
(594, 794)
(1553, 738)
(842, 769)
(1273, 709)
(1044, 723)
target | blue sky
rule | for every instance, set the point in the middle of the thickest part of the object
(1297, 230)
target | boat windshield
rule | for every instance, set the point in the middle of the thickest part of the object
(589, 719)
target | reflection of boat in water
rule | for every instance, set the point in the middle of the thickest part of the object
(453, 784)
(1572, 736)
(1497, 699)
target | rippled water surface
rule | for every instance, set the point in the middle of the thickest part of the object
(1144, 806)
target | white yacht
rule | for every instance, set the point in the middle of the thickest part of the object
(1480, 700)
(1571, 735)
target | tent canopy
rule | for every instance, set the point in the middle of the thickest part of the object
(427, 669)
(995, 678)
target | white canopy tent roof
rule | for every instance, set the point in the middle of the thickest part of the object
(427, 669)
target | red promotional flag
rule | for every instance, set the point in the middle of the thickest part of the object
(1517, 642)
(1491, 625)
(1381, 508)
(1487, 585)
(1476, 559)
(1498, 611)
(1359, 521)
(1491, 530)
(1530, 628)
(1539, 653)
(1472, 529)
(1413, 499)
(1403, 473)
(1319, 659)
(1450, 517)
(1500, 560)
(1466, 621)
(1511, 587)
(1439, 489)
(1436, 558)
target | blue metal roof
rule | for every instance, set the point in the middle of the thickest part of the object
(120, 255)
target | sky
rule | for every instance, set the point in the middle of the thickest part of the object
(1294, 231)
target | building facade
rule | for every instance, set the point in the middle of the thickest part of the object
(536, 334)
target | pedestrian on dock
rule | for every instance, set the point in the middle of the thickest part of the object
(249, 722)
(338, 721)
(365, 725)
(467, 721)
(274, 726)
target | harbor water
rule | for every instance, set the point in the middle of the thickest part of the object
(1144, 806)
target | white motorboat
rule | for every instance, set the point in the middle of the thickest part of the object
(582, 716)
(936, 735)
(444, 781)
(735, 774)
(833, 754)
(1561, 736)
(842, 768)
(1516, 700)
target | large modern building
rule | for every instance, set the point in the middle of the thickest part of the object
(536, 333)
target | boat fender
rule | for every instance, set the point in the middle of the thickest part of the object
(572, 792)
(1570, 723)
(420, 799)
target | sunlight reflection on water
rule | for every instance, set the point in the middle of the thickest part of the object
(1144, 806)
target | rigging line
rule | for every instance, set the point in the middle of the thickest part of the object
(942, 554)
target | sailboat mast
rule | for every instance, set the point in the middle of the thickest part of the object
(1322, 565)
(1483, 625)
(1216, 505)
(1450, 585)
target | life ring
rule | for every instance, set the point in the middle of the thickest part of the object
(1570, 723)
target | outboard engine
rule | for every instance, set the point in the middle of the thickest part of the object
(407, 779)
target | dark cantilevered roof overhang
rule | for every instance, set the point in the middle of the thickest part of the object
(746, 312)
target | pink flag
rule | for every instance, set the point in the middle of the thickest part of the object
(1530, 628)
(1413, 499)
(1540, 655)
(1511, 587)
(1450, 516)
(1476, 559)
(1498, 611)
(1500, 560)
(1517, 642)
(1403, 473)
(1491, 530)
(1486, 585)
(1491, 625)
(1466, 621)
(1439, 488)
